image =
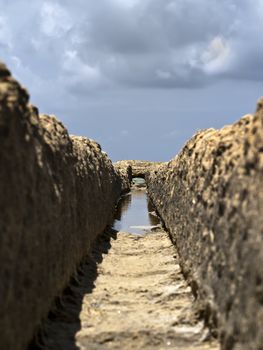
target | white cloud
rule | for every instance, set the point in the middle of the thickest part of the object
(100, 64)
(17, 62)
(55, 20)
(73, 64)
(216, 57)
(5, 33)
(79, 75)
(132, 43)
(126, 3)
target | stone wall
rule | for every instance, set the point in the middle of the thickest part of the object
(211, 199)
(57, 193)
(138, 167)
(125, 172)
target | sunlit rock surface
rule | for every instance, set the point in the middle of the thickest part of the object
(211, 199)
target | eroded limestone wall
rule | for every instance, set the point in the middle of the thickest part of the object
(57, 193)
(125, 172)
(211, 199)
(138, 168)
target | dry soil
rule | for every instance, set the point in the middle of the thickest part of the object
(140, 300)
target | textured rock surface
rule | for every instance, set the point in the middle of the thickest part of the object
(211, 199)
(125, 173)
(138, 167)
(57, 194)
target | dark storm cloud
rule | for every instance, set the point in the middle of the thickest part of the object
(173, 43)
(150, 70)
(150, 43)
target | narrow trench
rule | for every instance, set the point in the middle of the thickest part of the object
(129, 293)
(135, 214)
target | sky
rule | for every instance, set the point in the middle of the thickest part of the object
(138, 76)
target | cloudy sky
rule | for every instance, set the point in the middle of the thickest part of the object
(139, 76)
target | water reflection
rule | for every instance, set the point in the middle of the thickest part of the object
(135, 213)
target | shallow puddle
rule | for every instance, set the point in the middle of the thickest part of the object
(135, 214)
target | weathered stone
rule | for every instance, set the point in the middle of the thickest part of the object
(138, 167)
(57, 193)
(125, 172)
(211, 199)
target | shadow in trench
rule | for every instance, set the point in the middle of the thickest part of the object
(59, 329)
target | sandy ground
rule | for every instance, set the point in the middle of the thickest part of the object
(129, 294)
(141, 300)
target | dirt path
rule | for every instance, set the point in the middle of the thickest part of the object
(140, 300)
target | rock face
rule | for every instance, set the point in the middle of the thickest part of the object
(125, 172)
(211, 199)
(138, 167)
(57, 193)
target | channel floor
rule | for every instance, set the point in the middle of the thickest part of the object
(140, 300)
